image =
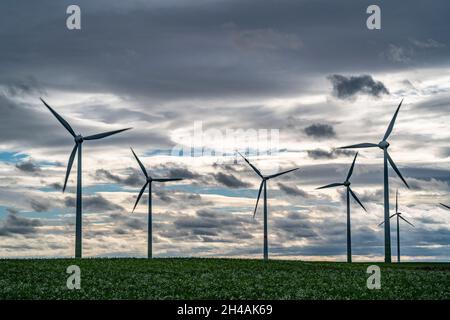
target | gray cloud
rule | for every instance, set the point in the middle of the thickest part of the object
(14, 224)
(28, 166)
(294, 226)
(293, 190)
(136, 178)
(319, 130)
(229, 180)
(214, 226)
(325, 154)
(348, 87)
(40, 205)
(93, 203)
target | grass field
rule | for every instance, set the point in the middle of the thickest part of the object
(219, 279)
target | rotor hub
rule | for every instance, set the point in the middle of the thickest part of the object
(79, 139)
(383, 144)
(347, 183)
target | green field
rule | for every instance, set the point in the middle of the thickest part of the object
(219, 279)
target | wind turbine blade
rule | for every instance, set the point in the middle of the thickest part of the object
(396, 169)
(257, 200)
(69, 165)
(360, 145)
(140, 163)
(356, 198)
(332, 185)
(140, 195)
(406, 221)
(167, 179)
(281, 173)
(444, 205)
(60, 119)
(104, 134)
(253, 167)
(350, 172)
(391, 124)
(389, 218)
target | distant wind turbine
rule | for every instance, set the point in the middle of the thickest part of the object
(347, 183)
(399, 216)
(384, 145)
(445, 206)
(149, 183)
(78, 142)
(264, 184)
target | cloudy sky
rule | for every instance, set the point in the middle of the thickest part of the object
(310, 70)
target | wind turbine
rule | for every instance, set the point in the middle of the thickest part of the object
(347, 184)
(148, 182)
(445, 206)
(79, 139)
(384, 145)
(399, 216)
(264, 180)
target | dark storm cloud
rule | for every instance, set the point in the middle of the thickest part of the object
(134, 223)
(293, 190)
(56, 186)
(126, 224)
(320, 130)
(294, 230)
(164, 195)
(40, 205)
(93, 203)
(348, 87)
(333, 154)
(136, 178)
(229, 180)
(188, 54)
(28, 166)
(211, 223)
(174, 170)
(14, 224)
(185, 48)
(31, 125)
(183, 173)
(428, 184)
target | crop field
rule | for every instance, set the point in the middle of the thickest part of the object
(181, 278)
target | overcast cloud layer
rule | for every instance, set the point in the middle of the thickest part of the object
(310, 69)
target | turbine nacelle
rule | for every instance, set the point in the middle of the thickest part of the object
(383, 144)
(79, 139)
(347, 184)
(148, 178)
(263, 179)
